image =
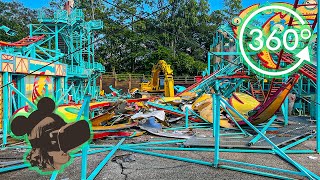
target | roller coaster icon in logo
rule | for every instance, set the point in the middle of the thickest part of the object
(51, 138)
(269, 40)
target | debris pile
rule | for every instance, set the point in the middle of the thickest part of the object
(173, 117)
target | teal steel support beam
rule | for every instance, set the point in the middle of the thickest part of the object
(22, 83)
(71, 50)
(56, 39)
(260, 151)
(283, 109)
(187, 117)
(96, 171)
(166, 156)
(235, 122)
(229, 91)
(262, 167)
(87, 89)
(54, 175)
(216, 127)
(30, 30)
(80, 44)
(257, 137)
(66, 84)
(89, 50)
(197, 115)
(214, 102)
(14, 103)
(308, 86)
(77, 94)
(23, 96)
(82, 93)
(12, 168)
(276, 149)
(318, 84)
(209, 64)
(65, 94)
(33, 48)
(57, 92)
(92, 47)
(5, 120)
(298, 142)
(85, 110)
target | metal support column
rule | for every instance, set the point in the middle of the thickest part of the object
(214, 102)
(57, 82)
(66, 86)
(85, 108)
(216, 127)
(187, 117)
(5, 120)
(209, 64)
(22, 84)
(89, 51)
(56, 39)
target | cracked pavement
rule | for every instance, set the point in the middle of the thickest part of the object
(132, 166)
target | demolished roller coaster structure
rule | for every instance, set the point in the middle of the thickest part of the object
(238, 77)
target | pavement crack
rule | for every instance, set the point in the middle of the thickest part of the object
(120, 163)
(122, 170)
(120, 159)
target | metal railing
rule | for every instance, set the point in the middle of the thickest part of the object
(143, 77)
(95, 24)
(76, 15)
(61, 16)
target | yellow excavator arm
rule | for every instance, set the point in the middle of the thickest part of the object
(154, 84)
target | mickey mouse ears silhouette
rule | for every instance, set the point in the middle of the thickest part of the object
(22, 125)
(69, 135)
(48, 132)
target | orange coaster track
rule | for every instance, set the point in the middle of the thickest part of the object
(23, 42)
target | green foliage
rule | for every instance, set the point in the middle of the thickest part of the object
(132, 41)
(232, 9)
(15, 16)
(180, 35)
(182, 63)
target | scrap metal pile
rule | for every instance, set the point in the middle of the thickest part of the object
(188, 110)
(161, 116)
(173, 117)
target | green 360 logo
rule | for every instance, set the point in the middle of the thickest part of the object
(275, 38)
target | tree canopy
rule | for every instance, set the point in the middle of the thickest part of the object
(17, 17)
(180, 32)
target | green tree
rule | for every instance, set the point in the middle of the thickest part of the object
(231, 9)
(15, 16)
(131, 41)
(187, 27)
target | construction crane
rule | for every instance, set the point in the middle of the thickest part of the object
(162, 80)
